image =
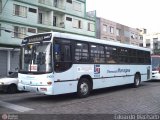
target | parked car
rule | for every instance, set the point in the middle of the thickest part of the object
(9, 84)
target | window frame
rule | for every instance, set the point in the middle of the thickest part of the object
(19, 33)
(83, 59)
(32, 10)
(111, 29)
(20, 12)
(77, 6)
(105, 28)
(98, 57)
(77, 24)
(65, 64)
(90, 28)
(69, 19)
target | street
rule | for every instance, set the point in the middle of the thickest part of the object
(114, 100)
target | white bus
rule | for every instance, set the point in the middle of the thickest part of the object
(155, 67)
(58, 63)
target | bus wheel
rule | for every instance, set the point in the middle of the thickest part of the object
(83, 89)
(137, 81)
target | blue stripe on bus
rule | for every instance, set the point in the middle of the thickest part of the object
(99, 78)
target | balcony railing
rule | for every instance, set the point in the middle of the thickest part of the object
(60, 25)
(46, 2)
(52, 4)
(28, 1)
(44, 22)
(60, 6)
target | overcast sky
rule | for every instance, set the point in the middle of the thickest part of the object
(132, 13)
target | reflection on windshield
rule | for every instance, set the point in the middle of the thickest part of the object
(155, 63)
(36, 58)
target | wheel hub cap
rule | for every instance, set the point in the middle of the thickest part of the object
(84, 88)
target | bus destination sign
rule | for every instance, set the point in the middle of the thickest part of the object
(37, 38)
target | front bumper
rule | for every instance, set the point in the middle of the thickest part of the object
(155, 76)
(48, 90)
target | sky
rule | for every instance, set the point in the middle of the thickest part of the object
(132, 13)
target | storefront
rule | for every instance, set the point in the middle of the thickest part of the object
(9, 60)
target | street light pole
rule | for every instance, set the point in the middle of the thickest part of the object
(9, 31)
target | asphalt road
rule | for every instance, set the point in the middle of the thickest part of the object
(110, 101)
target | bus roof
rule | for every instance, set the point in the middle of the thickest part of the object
(94, 40)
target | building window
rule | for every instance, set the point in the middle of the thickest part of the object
(20, 10)
(147, 40)
(141, 44)
(40, 18)
(155, 39)
(118, 32)
(0, 6)
(69, 1)
(31, 30)
(133, 36)
(68, 19)
(77, 24)
(90, 27)
(77, 6)
(105, 28)
(32, 10)
(19, 32)
(55, 3)
(148, 45)
(141, 37)
(54, 20)
(111, 29)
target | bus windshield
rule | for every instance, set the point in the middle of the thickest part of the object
(36, 58)
(155, 63)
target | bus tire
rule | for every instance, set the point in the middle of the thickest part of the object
(83, 88)
(137, 80)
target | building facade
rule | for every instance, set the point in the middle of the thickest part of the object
(109, 30)
(152, 41)
(21, 18)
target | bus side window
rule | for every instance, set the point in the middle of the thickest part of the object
(57, 50)
(81, 53)
(111, 54)
(97, 53)
(62, 57)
